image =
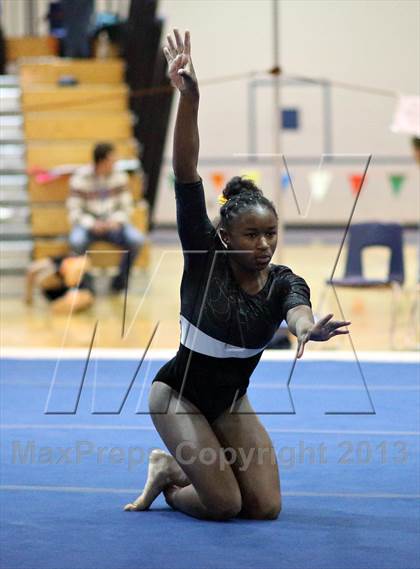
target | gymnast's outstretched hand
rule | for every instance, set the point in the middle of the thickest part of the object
(321, 331)
(180, 67)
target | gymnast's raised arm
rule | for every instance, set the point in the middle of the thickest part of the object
(183, 78)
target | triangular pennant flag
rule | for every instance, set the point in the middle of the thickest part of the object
(285, 182)
(319, 181)
(356, 182)
(397, 181)
(218, 180)
(254, 176)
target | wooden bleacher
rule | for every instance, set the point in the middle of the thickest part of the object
(73, 125)
(61, 126)
(50, 220)
(57, 190)
(86, 71)
(39, 98)
(30, 46)
(47, 154)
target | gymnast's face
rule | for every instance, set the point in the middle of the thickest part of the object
(255, 233)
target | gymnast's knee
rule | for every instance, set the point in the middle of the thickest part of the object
(222, 502)
(262, 511)
(224, 509)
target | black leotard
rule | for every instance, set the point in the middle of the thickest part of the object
(224, 330)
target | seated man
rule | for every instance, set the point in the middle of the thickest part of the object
(99, 206)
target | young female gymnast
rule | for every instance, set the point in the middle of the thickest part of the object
(232, 302)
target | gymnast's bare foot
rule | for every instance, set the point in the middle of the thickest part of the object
(163, 471)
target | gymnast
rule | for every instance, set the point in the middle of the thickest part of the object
(221, 462)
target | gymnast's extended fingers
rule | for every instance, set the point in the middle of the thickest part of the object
(324, 319)
(171, 46)
(301, 345)
(299, 351)
(187, 43)
(338, 332)
(179, 42)
(339, 324)
(168, 55)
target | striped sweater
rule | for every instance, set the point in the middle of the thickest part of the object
(98, 198)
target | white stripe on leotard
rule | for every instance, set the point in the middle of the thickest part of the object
(197, 341)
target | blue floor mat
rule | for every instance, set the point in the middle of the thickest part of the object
(350, 482)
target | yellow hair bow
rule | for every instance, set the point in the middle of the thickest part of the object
(221, 199)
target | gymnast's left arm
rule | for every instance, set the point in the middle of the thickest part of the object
(301, 323)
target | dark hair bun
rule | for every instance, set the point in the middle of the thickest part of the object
(238, 185)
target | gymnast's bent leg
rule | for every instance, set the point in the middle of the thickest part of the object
(255, 465)
(213, 493)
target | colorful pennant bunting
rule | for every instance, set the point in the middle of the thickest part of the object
(218, 180)
(319, 181)
(397, 181)
(285, 182)
(356, 182)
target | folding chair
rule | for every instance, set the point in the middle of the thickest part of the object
(362, 235)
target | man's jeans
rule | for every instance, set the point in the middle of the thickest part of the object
(127, 237)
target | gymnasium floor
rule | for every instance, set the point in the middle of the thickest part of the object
(154, 298)
(349, 471)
